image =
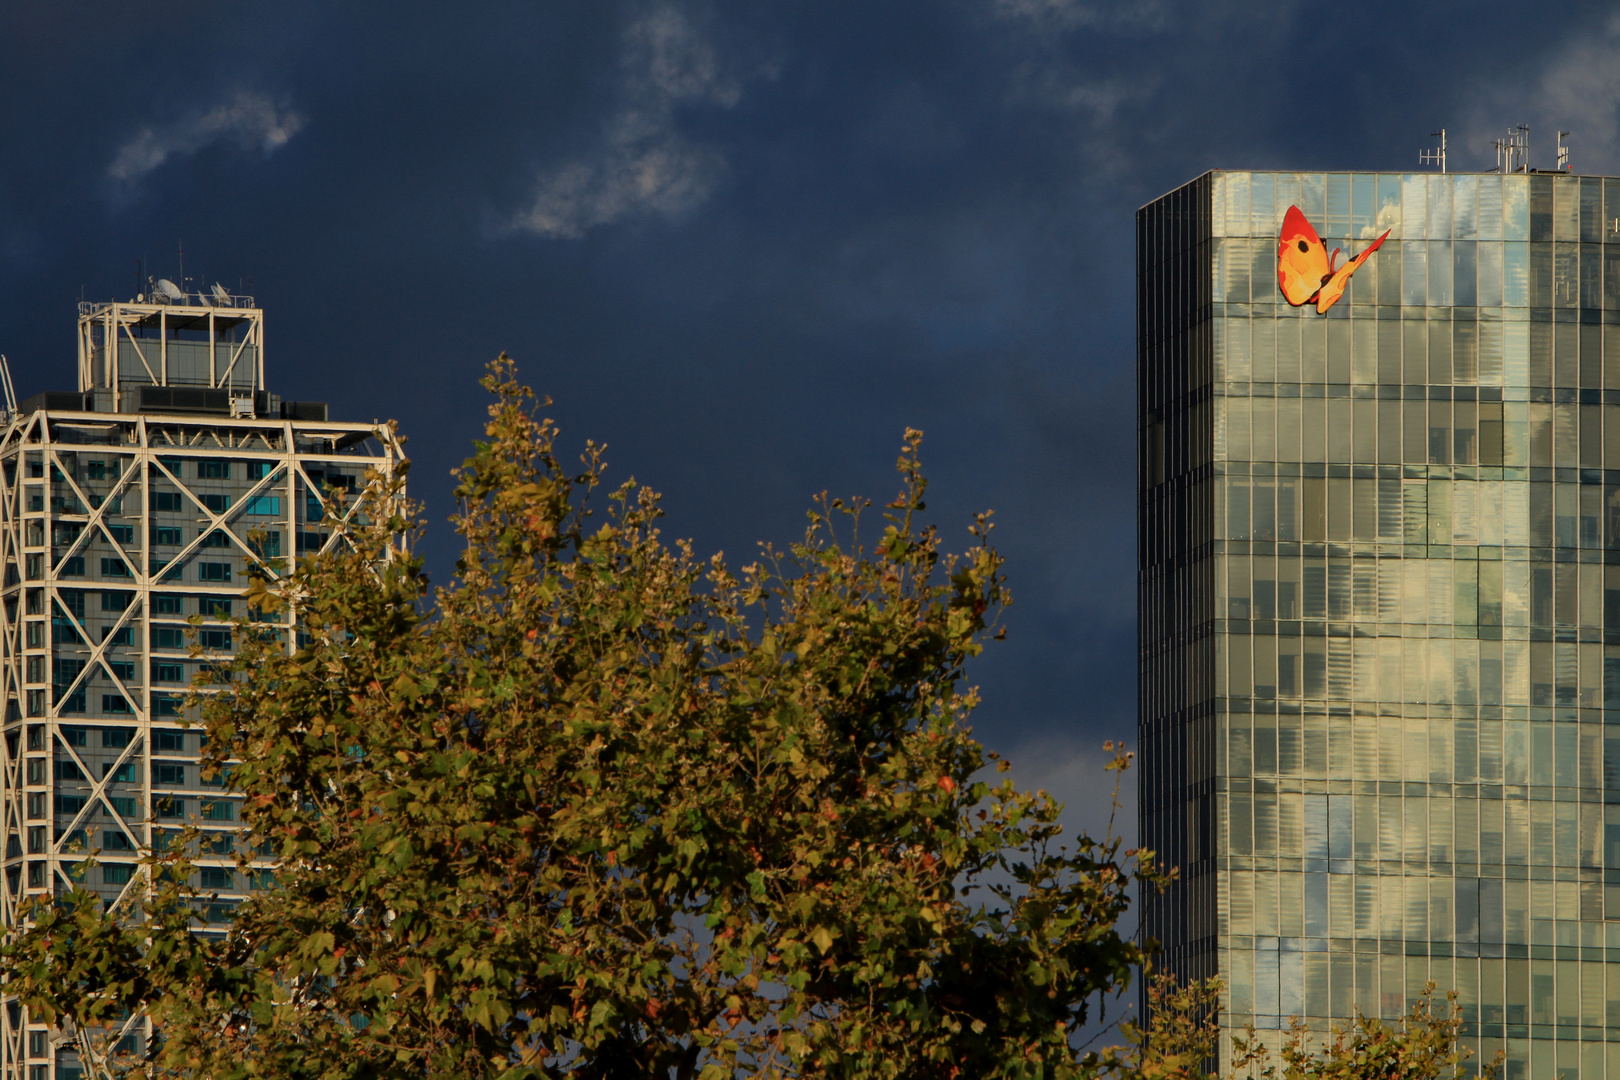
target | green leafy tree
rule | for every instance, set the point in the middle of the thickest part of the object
(603, 808)
(1182, 1040)
(1422, 1045)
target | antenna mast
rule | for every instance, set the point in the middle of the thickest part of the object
(1435, 156)
(1563, 152)
(6, 388)
(1513, 152)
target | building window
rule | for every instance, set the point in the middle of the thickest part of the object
(123, 774)
(124, 635)
(217, 877)
(213, 571)
(164, 773)
(115, 703)
(166, 502)
(166, 705)
(168, 637)
(213, 469)
(258, 470)
(70, 804)
(219, 811)
(124, 806)
(114, 601)
(212, 607)
(122, 670)
(168, 673)
(168, 604)
(116, 873)
(264, 505)
(122, 534)
(216, 504)
(166, 535)
(72, 566)
(171, 807)
(171, 742)
(217, 538)
(75, 736)
(67, 770)
(214, 639)
(114, 568)
(95, 470)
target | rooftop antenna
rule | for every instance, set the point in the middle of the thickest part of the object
(1435, 156)
(180, 246)
(5, 386)
(1563, 152)
(1513, 152)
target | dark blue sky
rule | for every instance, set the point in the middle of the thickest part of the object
(745, 245)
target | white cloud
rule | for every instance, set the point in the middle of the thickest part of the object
(1074, 773)
(642, 163)
(253, 120)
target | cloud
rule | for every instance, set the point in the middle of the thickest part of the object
(1059, 16)
(1575, 87)
(252, 120)
(642, 163)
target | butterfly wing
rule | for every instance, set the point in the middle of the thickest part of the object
(1334, 287)
(1302, 261)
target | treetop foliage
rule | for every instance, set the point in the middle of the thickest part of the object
(600, 807)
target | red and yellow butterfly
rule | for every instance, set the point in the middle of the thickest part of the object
(1305, 271)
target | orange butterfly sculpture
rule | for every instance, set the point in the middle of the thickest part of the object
(1305, 272)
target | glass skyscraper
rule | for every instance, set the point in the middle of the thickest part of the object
(1379, 597)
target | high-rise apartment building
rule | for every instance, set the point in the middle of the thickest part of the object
(130, 508)
(1379, 594)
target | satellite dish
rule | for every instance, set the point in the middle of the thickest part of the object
(170, 290)
(221, 297)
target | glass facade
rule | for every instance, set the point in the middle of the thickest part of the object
(1379, 599)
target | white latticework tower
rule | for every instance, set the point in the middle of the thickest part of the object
(127, 508)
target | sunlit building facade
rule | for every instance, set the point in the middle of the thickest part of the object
(134, 512)
(1379, 597)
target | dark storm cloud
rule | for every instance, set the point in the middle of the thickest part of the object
(745, 245)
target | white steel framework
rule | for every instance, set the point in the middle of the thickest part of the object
(217, 343)
(117, 528)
